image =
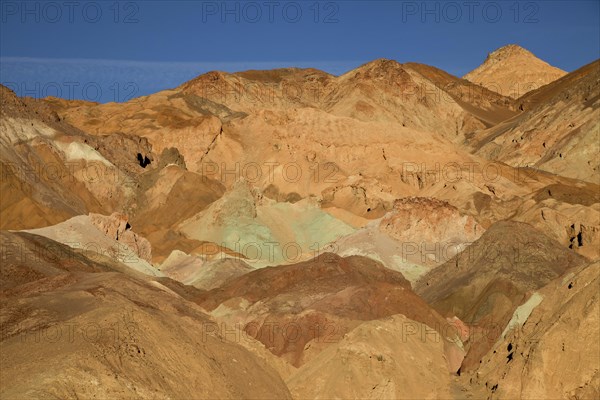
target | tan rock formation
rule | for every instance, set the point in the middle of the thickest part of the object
(513, 71)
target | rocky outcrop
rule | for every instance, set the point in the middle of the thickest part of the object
(435, 229)
(116, 227)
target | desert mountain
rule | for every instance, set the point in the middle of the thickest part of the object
(384, 358)
(558, 132)
(386, 233)
(39, 187)
(554, 327)
(411, 95)
(513, 71)
(418, 234)
(114, 330)
(484, 284)
(298, 310)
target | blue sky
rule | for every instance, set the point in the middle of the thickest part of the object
(111, 51)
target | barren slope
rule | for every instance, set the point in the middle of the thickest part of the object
(552, 349)
(389, 358)
(484, 284)
(513, 71)
(106, 334)
(298, 310)
(558, 132)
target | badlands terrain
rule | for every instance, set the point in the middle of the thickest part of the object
(393, 232)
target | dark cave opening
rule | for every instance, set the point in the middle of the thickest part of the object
(143, 160)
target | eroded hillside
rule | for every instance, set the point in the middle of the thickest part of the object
(391, 232)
